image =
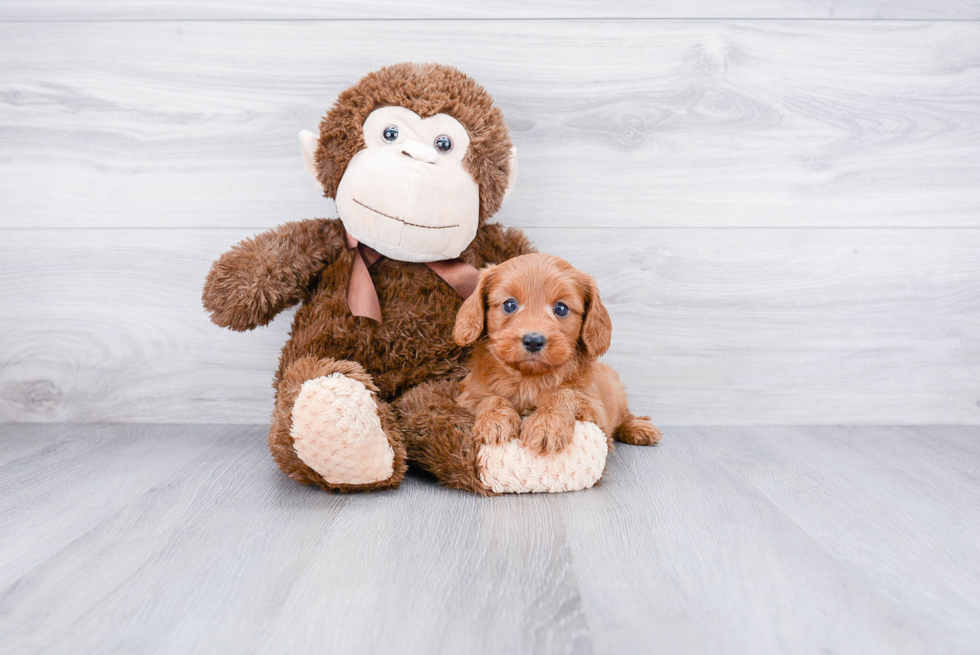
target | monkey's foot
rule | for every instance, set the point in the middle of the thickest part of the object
(511, 468)
(336, 431)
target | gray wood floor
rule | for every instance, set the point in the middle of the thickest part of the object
(186, 539)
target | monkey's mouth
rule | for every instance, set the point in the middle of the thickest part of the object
(395, 218)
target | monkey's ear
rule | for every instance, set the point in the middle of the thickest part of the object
(307, 143)
(472, 315)
(512, 172)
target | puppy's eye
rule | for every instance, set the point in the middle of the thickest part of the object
(561, 309)
(391, 133)
(443, 143)
(509, 306)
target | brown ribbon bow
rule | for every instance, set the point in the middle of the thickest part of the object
(362, 297)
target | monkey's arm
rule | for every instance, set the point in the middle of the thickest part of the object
(263, 275)
(495, 244)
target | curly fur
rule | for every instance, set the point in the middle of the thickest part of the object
(555, 386)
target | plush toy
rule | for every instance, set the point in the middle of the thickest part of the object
(417, 158)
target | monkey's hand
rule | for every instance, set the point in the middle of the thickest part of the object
(263, 275)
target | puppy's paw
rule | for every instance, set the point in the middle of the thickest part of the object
(587, 413)
(639, 431)
(547, 432)
(497, 425)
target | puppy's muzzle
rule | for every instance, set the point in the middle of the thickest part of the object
(533, 342)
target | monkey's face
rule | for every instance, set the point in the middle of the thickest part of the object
(407, 193)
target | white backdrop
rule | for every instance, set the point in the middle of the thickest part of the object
(781, 204)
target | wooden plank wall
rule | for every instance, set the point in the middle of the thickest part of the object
(781, 200)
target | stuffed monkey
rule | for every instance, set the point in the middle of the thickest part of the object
(417, 158)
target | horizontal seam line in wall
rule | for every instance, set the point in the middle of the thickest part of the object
(486, 19)
(527, 227)
(265, 426)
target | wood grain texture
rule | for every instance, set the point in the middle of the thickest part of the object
(618, 123)
(710, 326)
(758, 529)
(60, 10)
(186, 539)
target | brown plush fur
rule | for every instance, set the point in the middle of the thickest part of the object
(552, 387)
(308, 262)
(439, 435)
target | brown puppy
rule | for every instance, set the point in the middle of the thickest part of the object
(543, 327)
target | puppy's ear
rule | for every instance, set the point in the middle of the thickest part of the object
(596, 326)
(472, 315)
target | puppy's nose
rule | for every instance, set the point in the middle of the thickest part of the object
(533, 342)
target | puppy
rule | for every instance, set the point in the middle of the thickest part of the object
(539, 326)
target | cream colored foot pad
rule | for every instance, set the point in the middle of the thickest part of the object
(509, 468)
(337, 433)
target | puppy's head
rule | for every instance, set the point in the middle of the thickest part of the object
(537, 312)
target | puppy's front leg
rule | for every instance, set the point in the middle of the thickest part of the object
(496, 420)
(551, 427)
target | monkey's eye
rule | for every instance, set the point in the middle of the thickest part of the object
(561, 309)
(390, 133)
(443, 143)
(509, 306)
